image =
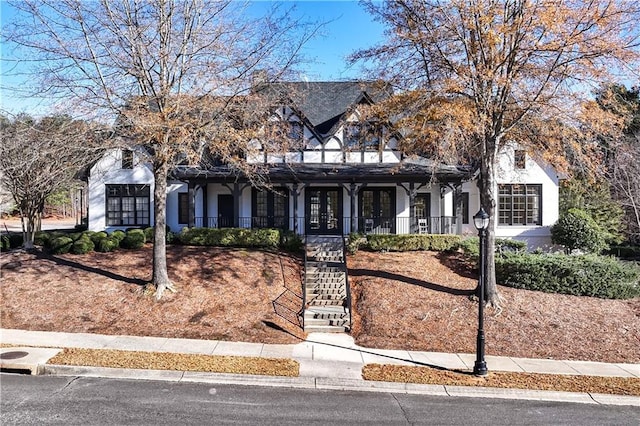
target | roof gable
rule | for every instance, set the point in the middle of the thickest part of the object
(324, 103)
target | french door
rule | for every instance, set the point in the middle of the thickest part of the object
(377, 210)
(323, 208)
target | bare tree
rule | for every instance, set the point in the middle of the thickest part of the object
(623, 153)
(170, 70)
(477, 74)
(39, 157)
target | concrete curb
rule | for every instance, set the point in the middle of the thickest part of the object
(324, 383)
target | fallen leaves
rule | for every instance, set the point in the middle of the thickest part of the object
(553, 382)
(178, 362)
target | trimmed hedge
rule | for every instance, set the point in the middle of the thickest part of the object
(134, 239)
(61, 245)
(5, 242)
(14, 240)
(471, 246)
(149, 234)
(395, 242)
(107, 244)
(584, 275)
(290, 241)
(118, 235)
(97, 236)
(82, 245)
(230, 237)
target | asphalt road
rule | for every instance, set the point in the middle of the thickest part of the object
(68, 400)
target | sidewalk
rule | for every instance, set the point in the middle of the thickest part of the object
(327, 361)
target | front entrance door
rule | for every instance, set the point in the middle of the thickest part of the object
(378, 210)
(323, 211)
(225, 211)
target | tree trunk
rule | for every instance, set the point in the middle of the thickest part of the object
(160, 278)
(29, 219)
(488, 196)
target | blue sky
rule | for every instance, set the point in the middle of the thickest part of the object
(349, 28)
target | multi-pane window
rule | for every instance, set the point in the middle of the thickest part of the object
(127, 159)
(520, 159)
(365, 136)
(183, 207)
(127, 205)
(270, 208)
(519, 204)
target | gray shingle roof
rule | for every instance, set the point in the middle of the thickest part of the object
(323, 103)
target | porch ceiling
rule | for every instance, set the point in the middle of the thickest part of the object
(334, 173)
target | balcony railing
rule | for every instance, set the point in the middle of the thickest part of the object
(366, 225)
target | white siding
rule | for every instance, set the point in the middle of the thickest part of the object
(106, 171)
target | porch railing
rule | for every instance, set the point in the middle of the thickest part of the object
(366, 225)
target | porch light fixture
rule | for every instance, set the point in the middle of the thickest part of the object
(481, 222)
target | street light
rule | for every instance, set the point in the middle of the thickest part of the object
(481, 222)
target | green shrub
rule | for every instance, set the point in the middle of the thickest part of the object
(15, 239)
(576, 230)
(355, 242)
(506, 245)
(97, 236)
(82, 245)
(471, 246)
(393, 242)
(5, 242)
(61, 245)
(134, 239)
(107, 244)
(46, 237)
(75, 236)
(290, 241)
(149, 234)
(230, 237)
(585, 275)
(118, 235)
(41, 238)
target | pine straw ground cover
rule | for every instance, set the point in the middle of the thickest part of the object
(178, 362)
(414, 301)
(421, 301)
(552, 382)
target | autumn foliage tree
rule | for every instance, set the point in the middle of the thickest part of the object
(170, 71)
(474, 75)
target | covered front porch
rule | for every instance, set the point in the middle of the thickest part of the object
(323, 199)
(337, 225)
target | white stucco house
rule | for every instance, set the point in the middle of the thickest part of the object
(335, 183)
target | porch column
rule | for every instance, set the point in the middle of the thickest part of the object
(353, 190)
(205, 208)
(412, 209)
(236, 205)
(457, 207)
(192, 204)
(295, 193)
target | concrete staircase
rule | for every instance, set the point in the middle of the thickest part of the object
(326, 287)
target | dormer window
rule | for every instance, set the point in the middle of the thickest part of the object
(127, 159)
(284, 132)
(362, 135)
(520, 159)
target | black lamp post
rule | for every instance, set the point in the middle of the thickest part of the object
(481, 222)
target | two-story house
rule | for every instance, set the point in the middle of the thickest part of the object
(341, 175)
